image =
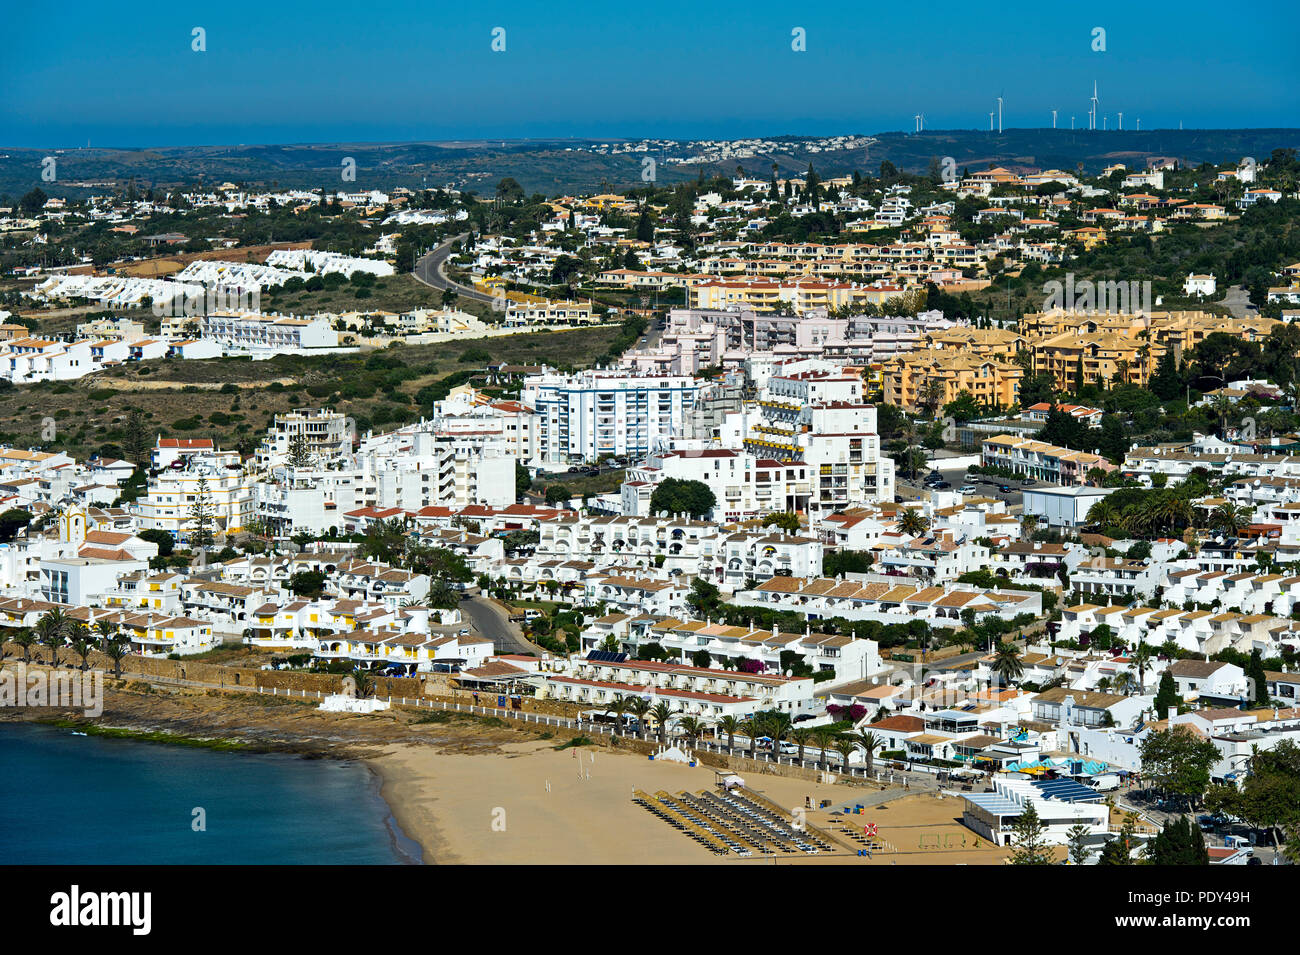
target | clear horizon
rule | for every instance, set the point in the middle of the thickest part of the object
(329, 74)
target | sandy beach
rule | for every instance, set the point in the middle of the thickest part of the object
(495, 808)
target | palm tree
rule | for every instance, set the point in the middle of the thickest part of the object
(105, 629)
(779, 726)
(870, 742)
(846, 747)
(51, 630)
(1227, 517)
(662, 714)
(825, 738)
(753, 728)
(639, 707)
(692, 728)
(1006, 662)
(1141, 657)
(1222, 407)
(1174, 513)
(115, 648)
(618, 706)
(801, 735)
(82, 644)
(1102, 514)
(364, 683)
(25, 639)
(729, 725)
(912, 523)
(1028, 524)
(1125, 682)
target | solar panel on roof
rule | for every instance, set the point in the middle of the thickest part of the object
(1065, 790)
(605, 656)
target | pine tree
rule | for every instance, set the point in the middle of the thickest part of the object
(201, 517)
(1119, 851)
(1031, 847)
(135, 441)
(299, 453)
(1077, 841)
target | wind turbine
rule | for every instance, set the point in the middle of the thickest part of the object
(1053, 119)
(1092, 113)
(1139, 124)
(990, 121)
(1121, 122)
(999, 115)
(920, 122)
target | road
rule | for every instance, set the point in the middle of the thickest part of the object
(431, 270)
(910, 490)
(1237, 300)
(487, 619)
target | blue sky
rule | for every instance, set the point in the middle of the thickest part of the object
(125, 74)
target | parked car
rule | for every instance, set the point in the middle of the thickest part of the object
(1004, 488)
(967, 489)
(941, 485)
(1027, 482)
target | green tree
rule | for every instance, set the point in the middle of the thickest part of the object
(1179, 842)
(12, 521)
(1167, 697)
(308, 583)
(1119, 851)
(1258, 678)
(1076, 839)
(662, 714)
(1030, 840)
(1178, 762)
(730, 726)
(1006, 662)
(677, 496)
(1269, 797)
(135, 439)
(52, 631)
(785, 520)
(300, 455)
(202, 516)
(704, 599)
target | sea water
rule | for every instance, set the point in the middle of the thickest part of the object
(87, 800)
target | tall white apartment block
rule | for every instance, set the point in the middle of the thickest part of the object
(597, 412)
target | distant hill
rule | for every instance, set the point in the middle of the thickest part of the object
(554, 167)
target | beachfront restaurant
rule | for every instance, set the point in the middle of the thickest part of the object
(1060, 804)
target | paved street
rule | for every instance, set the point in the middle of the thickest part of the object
(486, 618)
(431, 270)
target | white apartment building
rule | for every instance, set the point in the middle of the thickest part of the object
(888, 599)
(593, 413)
(406, 471)
(173, 493)
(470, 415)
(743, 484)
(26, 360)
(325, 435)
(253, 332)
